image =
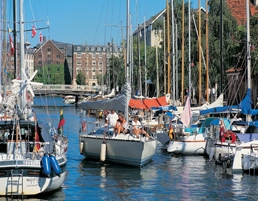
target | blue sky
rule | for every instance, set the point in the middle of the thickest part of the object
(86, 21)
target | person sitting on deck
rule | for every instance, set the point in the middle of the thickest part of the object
(121, 125)
(137, 128)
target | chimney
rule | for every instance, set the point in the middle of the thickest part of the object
(44, 39)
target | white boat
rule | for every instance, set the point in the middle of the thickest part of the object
(69, 99)
(32, 156)
(189, 140)
(246, 157)
(122, 149)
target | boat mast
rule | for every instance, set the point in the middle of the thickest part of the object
(199, 49)
(249, 86)
(168, 47)
(127, 54)
(173, 49)
(145, 63)
(164, 58)
(22, 64)
(207, 55)
(183, 49)
(189, 47)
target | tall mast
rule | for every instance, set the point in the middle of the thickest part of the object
(157, 71)
(173, 49)
(14, 39)
(221, 49)
(145, 63)
(164, 58)
(249, 86)
(207, 55)
(189, 47)
(22, 64)
(127, 40)
(168, 42)
(183, 49)
(199, 50)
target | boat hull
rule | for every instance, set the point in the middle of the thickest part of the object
(26, 177)
(187, 146)
(126, 151)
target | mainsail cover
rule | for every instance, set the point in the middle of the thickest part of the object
(118, 103)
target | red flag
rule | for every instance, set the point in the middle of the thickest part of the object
(34, 32)
(186, 116)
(40, 38)
(11, 45)
(36, 139)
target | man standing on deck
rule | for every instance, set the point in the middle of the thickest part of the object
(111, 118)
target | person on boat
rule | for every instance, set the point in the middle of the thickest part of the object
(137, 128)
(121, 125)
(111, 118)
(222, 129)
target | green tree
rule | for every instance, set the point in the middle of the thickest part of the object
(50, 74)
(80, 79)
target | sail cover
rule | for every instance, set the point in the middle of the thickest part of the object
(118, 103)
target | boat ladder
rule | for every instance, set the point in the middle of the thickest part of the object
(15, 184)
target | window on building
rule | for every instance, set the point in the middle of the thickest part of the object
(100, 55)
(49, 49)
(78, 62)
(79, 55)
(86, 69)
(58, 56)
(49, 62)
(40, 56)
(93, 69)
(98, 49)
(94, 77)
(49, 56)
(93, 63)
(100, 69)
(93, 55)
(104, 49)
(40, 62)
(78, 48)
(92, 48)
(100, 63)
(57, 62)
(58, 69)
(48, 69)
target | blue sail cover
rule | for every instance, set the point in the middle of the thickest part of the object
(244, 107)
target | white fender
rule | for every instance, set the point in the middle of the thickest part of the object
(81, 147)
(103, 152)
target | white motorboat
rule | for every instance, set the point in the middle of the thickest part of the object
(32, 156)
(69, 99)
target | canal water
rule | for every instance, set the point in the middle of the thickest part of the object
(166, 177)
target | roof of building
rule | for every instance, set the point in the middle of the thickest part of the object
(238, 10)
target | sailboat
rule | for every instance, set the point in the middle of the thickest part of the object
(32, 156)
(124, 148)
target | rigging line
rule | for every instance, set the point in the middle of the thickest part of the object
(137, 12)
(119, 17)
(98, 23)
(111, 28)
(106, 26)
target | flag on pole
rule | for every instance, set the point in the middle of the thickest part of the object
(11, 45)
(10, 30)
(61, 122)
(186, 116)
(36, 136)
(34, 32)
(40, 38)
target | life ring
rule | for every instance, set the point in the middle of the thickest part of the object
(228, 135)
(83, 126)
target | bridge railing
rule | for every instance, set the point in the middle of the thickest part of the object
(60, 87)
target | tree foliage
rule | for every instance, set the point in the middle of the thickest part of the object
(50, 74)
(80, 78)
